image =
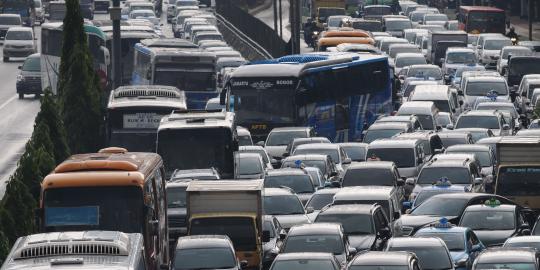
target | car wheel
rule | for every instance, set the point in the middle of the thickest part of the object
(37, 96)
(21, 96)
(6, 59)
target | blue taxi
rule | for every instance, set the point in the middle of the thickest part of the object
(462, 242)
(443, 185)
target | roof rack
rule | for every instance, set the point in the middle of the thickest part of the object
(147, 91)
(99, 163)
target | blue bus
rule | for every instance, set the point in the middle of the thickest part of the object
(188, 69)
(336, 93)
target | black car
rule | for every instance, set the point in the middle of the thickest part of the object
(507, 258)
(306, 260)
(277, 235)
(366, 226)
(493, 222)
(385, 260)
(449, 205)
(29, 78)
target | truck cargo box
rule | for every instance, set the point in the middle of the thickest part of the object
(525, 150)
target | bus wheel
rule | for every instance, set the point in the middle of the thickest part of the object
(21, 96)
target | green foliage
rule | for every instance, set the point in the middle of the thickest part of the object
(4, 246)
(50, 115)
(7, 225)
(20, 204)
(79, 89)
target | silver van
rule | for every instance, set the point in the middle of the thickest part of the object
(426, 111)
(407, 154)
(445, 98)
(77, 250)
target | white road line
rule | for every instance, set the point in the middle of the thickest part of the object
(7, 102)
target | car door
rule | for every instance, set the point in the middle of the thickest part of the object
(381, 222)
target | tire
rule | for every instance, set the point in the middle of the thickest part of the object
(37, 96)
(21, 96)
(6, 59)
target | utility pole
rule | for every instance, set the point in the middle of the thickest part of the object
(274, 4)
(295, 26)
(531, 12)
(116, 15)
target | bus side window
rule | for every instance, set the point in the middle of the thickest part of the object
(160, 189)
(149, 200)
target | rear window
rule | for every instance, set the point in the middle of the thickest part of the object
(31, 64)
(368, 177)
(10, 20)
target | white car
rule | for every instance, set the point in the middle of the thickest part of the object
(19, 42)
(509, 51)
(456, 58)
(490, 50)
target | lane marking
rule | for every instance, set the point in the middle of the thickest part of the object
(7, 102)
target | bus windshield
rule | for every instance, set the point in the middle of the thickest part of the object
(94, 208)
(189, 77)
(196, 149)
(269, 105)
(482, 20)
(518, 181)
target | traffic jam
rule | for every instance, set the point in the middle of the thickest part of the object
(399, 140)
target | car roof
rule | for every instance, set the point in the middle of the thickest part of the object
(389, 125)
(251, 148)
(304, 256)
(20, 28)
(315, 228)
(446, 163)
(277, 192)
(347, 209)
(327, 191)
(286, 129)
(306, 157)
(393, 143)
(317, 146)
(371, 165)
(482, 208)
(480, 113)
(459, 49)
(361, 193)
(451, 229)
(486, 79)
(506, 255)
(415, 242)
(352, 144)
(468, 147)
(524, 239)
(382, 258)
(203, 241)
(454, 134)
(286, 171)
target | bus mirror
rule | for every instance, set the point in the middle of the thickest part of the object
(106, 55)
(154, 226)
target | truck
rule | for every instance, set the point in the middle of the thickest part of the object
(518, 170)
(233, 208)
(25, 8)
(57, 11)
(438, 36)
(322, 9)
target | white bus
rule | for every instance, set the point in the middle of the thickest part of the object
(51, 51)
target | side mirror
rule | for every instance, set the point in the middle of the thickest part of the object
(461, 101)
(401, 181)
(164, 266)
(154, 225)
(460, 92)
(461, 263)
(476, 248)
(410, 181)
(260, 143)
(506, 127)
(352, 251)
(385, 232)
(449, 126)
(286, 154)
(397, 215)
(406, 205)
(478, 181)
(334, 174)
(419, 160)
(19, 67)
(282, 234)
(310, 210)
(401, 77)
(266, 236)
(347, 161)
(243, 264)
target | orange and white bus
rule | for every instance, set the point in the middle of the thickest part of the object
(480, 19)
(112, 190)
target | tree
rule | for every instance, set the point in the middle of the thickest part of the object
(50, 115)
(4, 247)
(20, 204)
(79, 88)
(7, 225)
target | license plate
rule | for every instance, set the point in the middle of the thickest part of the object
(258, 126)
(142, 120)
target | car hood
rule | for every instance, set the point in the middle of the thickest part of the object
(362, 242)
(416, 222)
(493, 238)
(18, 42)
(30, 73)
(491, 52)
(458, 255)
(276, 151)
(287, 221)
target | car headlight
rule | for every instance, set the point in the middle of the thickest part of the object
(20, 78)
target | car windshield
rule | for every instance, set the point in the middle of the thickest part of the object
(37, 3)
(474, 121)
(437, 206)
(453, 241)
(318, 201)
(10, 20)
(302, 264)
(335, 21)
(375, 134)
(368, 177)
(434, 73)
(397, 25)
(32, 64)
(284, 137)
(283, 205)
(461, 58)
(298, 183)
(402, 157)
(249, 165)
(407, 49)
(436, 17)
(518, 181)
(334, 153)
(176, 197)
(204, 258)
(355, 153)
(378, 267)
(426, 194)
(516, 52)
(19, 35)
(483, 88)
(456, 175)
(261, 152)
(314, 243)
(496, 44)
(488, 220)
(484, 157)
(429, 257)
(514, 266)
(443, 120)
(409, 61)
(353, 224)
